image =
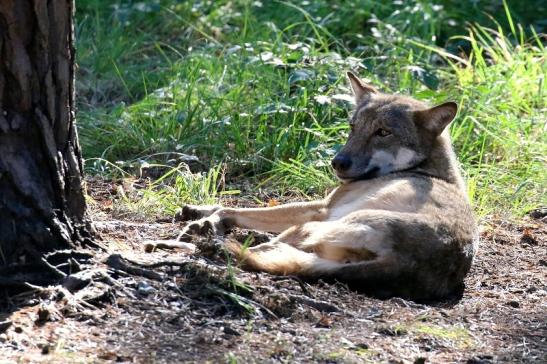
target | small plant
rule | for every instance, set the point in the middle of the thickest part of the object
(179, 186)
(235, 284)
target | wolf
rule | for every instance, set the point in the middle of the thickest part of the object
(399, 224)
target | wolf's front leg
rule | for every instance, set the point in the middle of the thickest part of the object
(272, 219)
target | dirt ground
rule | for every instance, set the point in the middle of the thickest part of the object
(199, 307)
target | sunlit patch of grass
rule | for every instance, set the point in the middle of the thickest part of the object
(177, 187)
(188, 187)
(459, 336)
(231, 358)
(299, 177)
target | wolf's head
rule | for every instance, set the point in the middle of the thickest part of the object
(389, 133)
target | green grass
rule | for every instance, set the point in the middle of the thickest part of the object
(258, 86)
(457, 336)
(169, 192)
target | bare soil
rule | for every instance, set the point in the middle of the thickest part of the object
(199, 307)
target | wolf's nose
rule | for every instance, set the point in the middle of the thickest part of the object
(341, 163)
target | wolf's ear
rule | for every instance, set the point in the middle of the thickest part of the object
(436, 118)
(360, 89)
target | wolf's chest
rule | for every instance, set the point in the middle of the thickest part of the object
(389, 195)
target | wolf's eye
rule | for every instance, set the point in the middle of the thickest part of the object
(382, 132)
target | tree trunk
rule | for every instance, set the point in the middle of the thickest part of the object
(42, 204)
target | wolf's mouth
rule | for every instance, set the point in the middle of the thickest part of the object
(372, 173)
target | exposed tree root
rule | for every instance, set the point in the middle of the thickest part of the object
(54, 267)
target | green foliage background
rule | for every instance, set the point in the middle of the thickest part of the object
(259, 87)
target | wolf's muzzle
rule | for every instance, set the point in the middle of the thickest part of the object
(341, 163)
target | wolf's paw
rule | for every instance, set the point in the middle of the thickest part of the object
(200, 227)
(192, 212)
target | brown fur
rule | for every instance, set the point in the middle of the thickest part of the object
(400, 222)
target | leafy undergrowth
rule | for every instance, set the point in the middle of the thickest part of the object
(202, 308)
(260, 87)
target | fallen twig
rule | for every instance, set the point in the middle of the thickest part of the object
(311, 302)
(152, 245)
(117, 262)
(243, 301)
(300, 282)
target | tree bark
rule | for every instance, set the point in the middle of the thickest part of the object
(42, 203)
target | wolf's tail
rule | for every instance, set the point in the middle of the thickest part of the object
(379, 277)
(280, 258)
